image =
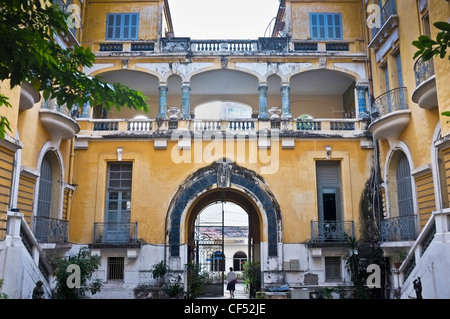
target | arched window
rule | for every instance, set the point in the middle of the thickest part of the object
(401, 198)
(48, 196)
(238, 260)
(404, 189)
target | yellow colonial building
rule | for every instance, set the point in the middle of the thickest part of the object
(324, 131)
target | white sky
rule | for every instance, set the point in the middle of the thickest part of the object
(234, 215)
(223, 19)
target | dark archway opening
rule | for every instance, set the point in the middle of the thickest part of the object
(211, 242)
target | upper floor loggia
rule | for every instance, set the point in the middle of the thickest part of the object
(315, 103)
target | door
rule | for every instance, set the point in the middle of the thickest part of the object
(44, 207)
(209, 252)
(118, 204)
(405, 199)
(330, 226)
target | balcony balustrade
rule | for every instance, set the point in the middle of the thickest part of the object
(115, 233)
(384, 24)
(425, 94)
(149, 127)
(58, 120)
(223, 47)
(399, 228)
(391, 114)
(51, 230)
(332, 231)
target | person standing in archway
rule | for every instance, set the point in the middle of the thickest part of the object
(231, 282)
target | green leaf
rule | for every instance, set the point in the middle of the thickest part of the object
(443, 51)
(441, 25)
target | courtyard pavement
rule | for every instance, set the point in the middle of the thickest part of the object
(238, 294)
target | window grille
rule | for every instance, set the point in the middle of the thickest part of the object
(116, 267)
(332, 268)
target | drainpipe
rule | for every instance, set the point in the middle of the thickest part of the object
(70, 177)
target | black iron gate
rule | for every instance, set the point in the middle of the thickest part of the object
(209, 255)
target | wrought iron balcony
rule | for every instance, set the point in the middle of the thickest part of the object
(399, 228)
(51, 230)
(58, 120)
(425, 94)
(388, 20)
(331, 231)
(390, 114)
(115, 233)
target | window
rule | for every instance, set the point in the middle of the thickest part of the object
(384, 77)
(328, 178)
(326, 26)
(404, 188)
(48, 196)
(122, 26)
(238, 260)
(118, 202)
(115, 268)
(217, 261)
(398, 64)
(332, 268)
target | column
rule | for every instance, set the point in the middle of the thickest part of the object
(162, 102)
(361, 106)
(285, 103)
(263, 115)
(185, 101)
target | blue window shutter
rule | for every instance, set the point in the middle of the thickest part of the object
(337, 26)
(118, 26)
(126, 26)
(134, 26)
(326, 26)
(322, 27)
(314, 26)
(109, 26)
(122, 26)
(398, 61)
(330, 26)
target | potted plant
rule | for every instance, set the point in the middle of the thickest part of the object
(195, 280)
(174, 290)
(398, 258)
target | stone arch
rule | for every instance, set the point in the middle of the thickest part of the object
(224, 175)
(401, 149)
(57, 165)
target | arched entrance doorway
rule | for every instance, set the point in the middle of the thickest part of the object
(223, 181)
(214, 236)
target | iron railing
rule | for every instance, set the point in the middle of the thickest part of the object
(391, 101)
(423, 70)
(51, 230)
(399, 228)
(332, 231)
(115, 233)
(388, 10)
(52, 104)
